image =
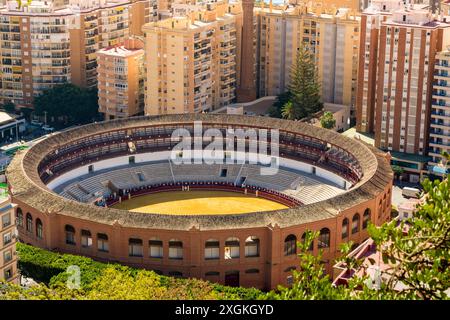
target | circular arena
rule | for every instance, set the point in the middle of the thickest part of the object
(200, 195)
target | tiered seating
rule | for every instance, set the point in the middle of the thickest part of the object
(195, 172)
(280, 181)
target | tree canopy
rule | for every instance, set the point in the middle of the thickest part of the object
(68, 104)
(327, 121)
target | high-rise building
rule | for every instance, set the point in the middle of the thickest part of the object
(191, 61)
(121, 79)
(440, 110)
(8, 256)
(398, 44)
(43, 44)
(332, 37)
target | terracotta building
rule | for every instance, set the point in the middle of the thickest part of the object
(255, 249)
(398, 45)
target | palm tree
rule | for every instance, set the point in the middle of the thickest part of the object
(288, 111)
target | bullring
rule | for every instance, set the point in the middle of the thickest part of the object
(252, 249)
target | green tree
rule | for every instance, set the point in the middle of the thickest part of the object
(68, 104)
(275, 110)
(9, 107)
(327, 121)
(398, 171)
(304, 84)
(288, 111)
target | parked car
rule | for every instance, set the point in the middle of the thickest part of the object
(410, 192)
(47, 128)
(36, 123)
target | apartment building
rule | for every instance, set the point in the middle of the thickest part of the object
(121, 79)
(332, 36)
(399, 44)
(45, 43)
(440, 113)
(8, 256)
(192, 61)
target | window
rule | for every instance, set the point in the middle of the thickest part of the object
(254, 271)
(290, 245)
(175, 249)
(311, 246)
(39, 229)
(6, 220)
(135, 247)
(345, 226)
(252, 247)
(70, 234)
(324, 238)
(366, 218)
(232, 248)
(355, 223)
(8, 273)
(131, 160)
(102, 242)
(19, 217)
(156, 248)
(212, 248)
(91, 168)
(212, 274)
(176, 274)
(86, 239)
(29, 222)
(7, 256)
(7, 238)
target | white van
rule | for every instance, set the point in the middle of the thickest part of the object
(410, 192)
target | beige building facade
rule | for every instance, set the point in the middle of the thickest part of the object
(121, 80)
(192, 61)
(8, 255)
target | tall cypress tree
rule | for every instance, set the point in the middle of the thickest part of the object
(304, 84)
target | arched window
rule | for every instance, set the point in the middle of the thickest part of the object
(311, 246)
(355, 223)
(290, 245)
(70, 234)
(324, 238)
(86, 239)
(155, 248)
(135, 247)
(212, 248)
(175, 249)
(232, 248)
(29, 222)
(102, 242)
(252, 247)
(345, 226)
(39, 234)
(19, 217)
(254, 271)
(366, 218)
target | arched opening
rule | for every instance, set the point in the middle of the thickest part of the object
(324, 238)
(175, 249)
(212, 247)
(232, 278)
(366, 218)
(39, 231)
(355, 223)
(102, 242)
(70, 234)
(232, 248)
(86, 239)
(29, 226)
(155, 247)
(311, 245)
(290, 245)
(345, 228)
(19, 217)
(135, 248)
(252, 247)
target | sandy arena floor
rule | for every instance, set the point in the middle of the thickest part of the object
(198, 203)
